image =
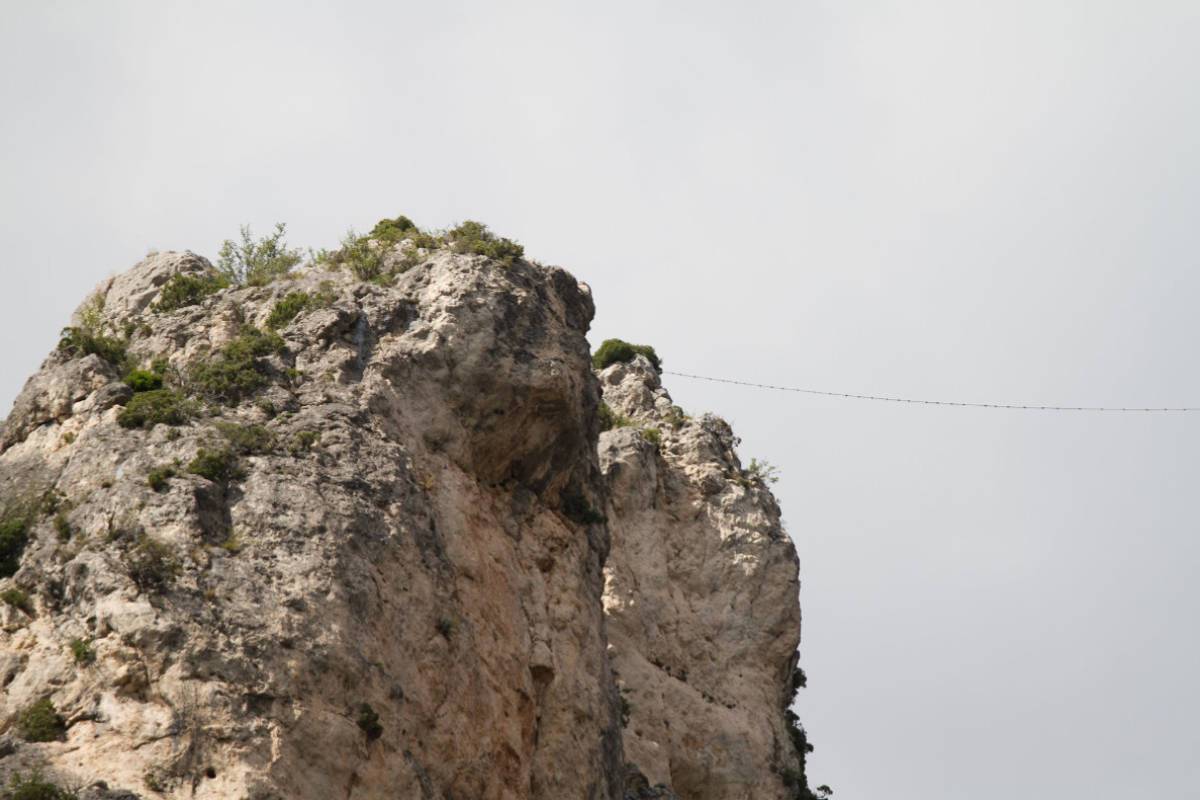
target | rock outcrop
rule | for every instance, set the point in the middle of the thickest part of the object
(367, 556)
(701, 596)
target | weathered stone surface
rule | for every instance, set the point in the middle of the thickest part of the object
(403, 593)
(702, 599)
(131, 293)
(400, 545)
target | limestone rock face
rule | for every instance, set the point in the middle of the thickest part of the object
(398, 551)
(701, 596)
(371, 563)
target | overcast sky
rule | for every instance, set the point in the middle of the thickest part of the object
(990, 201)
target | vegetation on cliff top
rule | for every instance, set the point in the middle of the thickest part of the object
(256, 262)
(612, 351)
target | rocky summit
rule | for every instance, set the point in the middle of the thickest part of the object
(389, 533)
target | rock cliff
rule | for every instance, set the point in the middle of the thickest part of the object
(335, 538)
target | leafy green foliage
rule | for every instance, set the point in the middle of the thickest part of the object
(40, 722)
(79, 341)
(612, 351)
(362, 257)
(288, 309)
(147, 409)
(368, 721)
(14, 534)
(62, 526)
(799, 680)
(90, 336)
(677, 418)
(247, 439)
(17, 599)
(218, 466)
(474, 237)
(188, 289)
(158, 478)
(256, 262)
(368, 256)
(82, 652)
(652, 435)
(762, 471)
(152, 565)
(236, 370)
(394, 230)
(610, 419)
(797, 779)
(34, 787)
(143, 380)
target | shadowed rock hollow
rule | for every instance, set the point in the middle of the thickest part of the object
(368, 555)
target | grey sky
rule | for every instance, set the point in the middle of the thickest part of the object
(969, 200)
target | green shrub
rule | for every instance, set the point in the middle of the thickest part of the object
(80, 341)
(796, 779)
(50, 502)
(218, 466)
(14, 534)
(256, 262)
(62, 525)
(247, 439)
(287, 309)
(612, 351)
(368, 721)
(147, 409)
(652, 435)
(677, 418)
(157, 479)
(152, 565)
(143, 380)
(427, 241)
(35, 787)
(185, 289)
(295, 303)
(610, 419)
(394, 230)
(40, 722)
(17, 599)
(237, 369)
(362, 257)
(303, 441)
(82, 652)
(762, 471)
(474, 237)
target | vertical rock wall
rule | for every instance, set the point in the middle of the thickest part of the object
(701, 595)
